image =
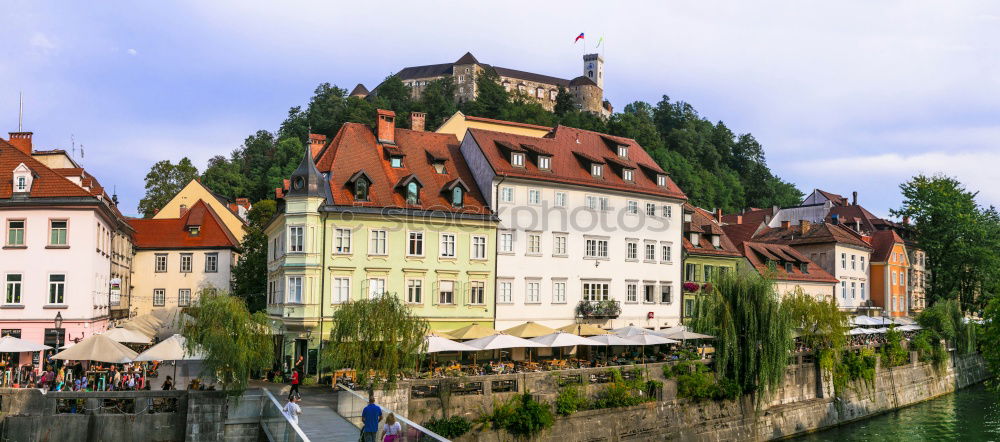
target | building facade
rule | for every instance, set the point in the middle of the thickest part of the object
(459, 123)
(177, 259)
(589, 229)
(390, 213)
(231, 213)
(890, 270)
(917, 280)
(708, 252)
(60, 253)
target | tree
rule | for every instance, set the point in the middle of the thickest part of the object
(250, 271)
(491, 100)
(990, 336)
(234, 341)
(163, 181)
(438, 102)
(564, 103)
(380, 336)
(225, 178)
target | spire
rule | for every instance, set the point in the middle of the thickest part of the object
(306, 180)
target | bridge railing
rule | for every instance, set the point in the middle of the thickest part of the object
(276, 425)
(351, 403)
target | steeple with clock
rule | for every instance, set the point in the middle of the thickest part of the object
(593, 68)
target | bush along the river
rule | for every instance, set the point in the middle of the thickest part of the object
(696, 381)
(448, 427)
(521, 416)
(855, 366)
(892, 351)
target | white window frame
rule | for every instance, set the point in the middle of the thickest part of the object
(415, 238)
(211, 263)
(559, 291)
(414, 291)
(632, 207)
(596, 291)
(623, 151)
(544, 162)
(183, 297)
(649, 252)
(378, 242)
(596, 248)
(13, 290)
(477, 293)
(186, 262)
(296, 239)
(478, 247)
(505, 291)
(597, 170)
(11, 230)
(632, 250)
(159, 258)
(668, 211)
(666, 253)
(534, 196)
(560, 200)
(506, 242)
(65, 232)
(62, 289)
(376, 287)
(342, 239)
(627, 175)
(648, 296)
(506, 194)
(517, 159)
(559, 244)
(295, 285)
(159, 297)
(441, 291)
(447, 245)
(661, 180)
(533, 291)
(632, 292)
(843, 289)
(668, 296)
(534, 244)
(340, 290)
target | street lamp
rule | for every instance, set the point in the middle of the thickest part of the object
(58, 322)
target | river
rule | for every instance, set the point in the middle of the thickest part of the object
(968, 415)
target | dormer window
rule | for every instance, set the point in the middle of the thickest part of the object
(396, 162)
(623, 151)
(194, 230)
(439, 167)
(661, 180)
(687, 217)
(544, 163)
(716, 241)
(804, 267)
(517, 159)
(788, 267)
(627, 175)
(22, 179)
(361, 189)
(21, 184)
(457, 196)
(597, 170)
(695, 238)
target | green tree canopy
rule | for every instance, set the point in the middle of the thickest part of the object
(234, 341)
(250, 271)
(163, 181)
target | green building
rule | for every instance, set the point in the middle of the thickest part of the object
(707, 252)
(393, 212)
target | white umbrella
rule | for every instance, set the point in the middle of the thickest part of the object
(495, 342)
(98, 348)
(686, 335)
(612, 340)
(173, 348)
(632, 331)
(650, 339)
(878, 330)
(563, 339)
(10, 344)
(128, 336)
(437, 344)
(857, 331)
(909, 327)
(866, 320)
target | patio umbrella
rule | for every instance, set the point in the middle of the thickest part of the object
(609, 340)
(127, 336)
(495, 342)
(857, 331)
(583, 329)
(473, 331)
(173, 348)
(909, 327)
(878, 330)
(146, 323)
(98, 348)
(563, 339)
(529, 329)
(866, 320)
(440, 334)
(632, 331)
(437, 344)
(686, 335)
(10, 344)
(650, 339)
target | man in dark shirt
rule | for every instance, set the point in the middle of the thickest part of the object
(370, 416)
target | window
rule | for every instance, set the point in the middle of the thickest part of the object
(862, 290)
(595, 291)
(211, 262)
(507, 242)
(376, 287)
(854, 290)
(415, 244)
(560, 199)
(534, 243)
(661, 180)
(477, 293)
(666, 253)
(804, 268)
(341, 290)
(902, 278)
(414, 291)
(294, 295)
(342, 241)
(631, 292)
(631, 250)
(667, 212)
(843, 260)
(412, 193)
(597, 248)
(15, 232)
(503, 292)
(559, 244)
(632, 207)
(379, 242)
(862, 263)
(649, 293)
(478, 247)
(666, 293)
(690, 272)
(517, 159)
(552, 95)
(533, 293)
(159, 297)
(788, 267)
(597, 203)
(160, 262)
(558, 292)
(650, 254)
(295, 240)
(507, 194)
(597, 170)
(184, 297)
(457, 197)
(461, 78)
(361, 185)
(57, 232)
(544, 163)
(627, 174)
(446, 292)
(650, 209)
(623, 151)
(395, 162)
(893, 278)
(13, 288)
(843, 289)
(534, 196)
(447, 245)
(57, 288)
(22, 184)
(186, 259)
(854, 262)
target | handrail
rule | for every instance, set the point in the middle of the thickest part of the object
(294, 426)
(399, 417)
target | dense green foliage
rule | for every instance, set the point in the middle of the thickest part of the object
(892, 352)
(163, 181)
(947, 321)
(234, 341)
(570, 399)
(381, 338)
(855, 366)
(960, 238)
(250, 271)
(752, 332)
(521, 416)
(821, 324)
(990, 336)
(696, 381)
(621, 392)
(448, 427)
(928, 345)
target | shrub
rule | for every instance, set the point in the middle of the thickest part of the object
(893, 353)
(570, 400)
(522, 415)
(448, 427)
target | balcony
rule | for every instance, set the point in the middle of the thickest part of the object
(607, 309)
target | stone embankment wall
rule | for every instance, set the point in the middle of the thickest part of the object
(805, 403)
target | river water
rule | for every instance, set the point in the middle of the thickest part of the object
(968, 415)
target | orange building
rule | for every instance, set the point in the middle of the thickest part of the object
(889, 268)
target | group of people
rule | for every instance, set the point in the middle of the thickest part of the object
(371, 417)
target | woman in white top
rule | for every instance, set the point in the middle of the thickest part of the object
(392, 429)
(292, 409)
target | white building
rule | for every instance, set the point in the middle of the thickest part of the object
(177, 258)
(590, 229)
(63, 237)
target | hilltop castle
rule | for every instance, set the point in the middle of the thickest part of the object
(587, 89)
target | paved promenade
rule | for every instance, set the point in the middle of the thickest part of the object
(319, 419)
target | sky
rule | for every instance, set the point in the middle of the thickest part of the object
(845, 96)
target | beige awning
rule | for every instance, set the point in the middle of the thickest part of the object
(584, 330)
(98, 348)
(529, 329)
(474, 331)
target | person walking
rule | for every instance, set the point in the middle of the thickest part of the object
(168, 384)
(370, 416)
(392, 430)
(292, 408)
(295, 383)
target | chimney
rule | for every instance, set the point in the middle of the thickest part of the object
(386, 126)
(21, 140)
(184, 209)
(243, 202)
(718, 216)
(805, 225)
(316, 142)
(739, 219)
(417, 121)
(786, 224)
(854, 201)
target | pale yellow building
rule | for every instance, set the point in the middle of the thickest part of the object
(195, 191)
(459, 123)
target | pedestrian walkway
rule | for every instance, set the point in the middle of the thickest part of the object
(319, 419)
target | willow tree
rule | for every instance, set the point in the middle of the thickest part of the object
(380, 338)
(752, 330)
(822, 328)
(234, 341)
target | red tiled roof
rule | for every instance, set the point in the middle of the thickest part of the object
(702, 222)
(751, 216)
(355, 149)
(818, 233)
(759, 252)
(173, 233)
(741, 233)
(883, 241)
(47, 182)
(567, 145)
(847, 215)
(506, 123)
(836, 199)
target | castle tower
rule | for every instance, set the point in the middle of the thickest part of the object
(593, 68)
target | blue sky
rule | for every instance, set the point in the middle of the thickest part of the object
(849, 95)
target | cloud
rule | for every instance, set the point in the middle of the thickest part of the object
(41, 43)
(131, 52)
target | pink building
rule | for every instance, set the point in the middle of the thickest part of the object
(66, 247)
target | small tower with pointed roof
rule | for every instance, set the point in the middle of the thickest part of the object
(465, 71)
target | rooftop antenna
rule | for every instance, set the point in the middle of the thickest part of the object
(72, 141)
(20, 111)
(81, 151)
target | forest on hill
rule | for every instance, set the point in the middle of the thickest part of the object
(715, 167)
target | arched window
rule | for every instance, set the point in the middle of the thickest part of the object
(361, 190)
(412, 193)
(456, 197)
